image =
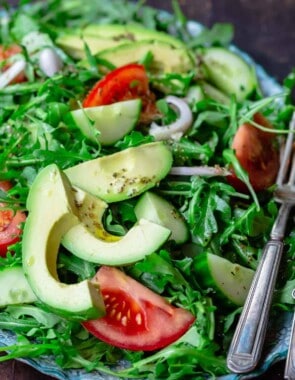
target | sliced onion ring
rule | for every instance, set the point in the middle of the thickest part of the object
(12, 72)
(206, 171)
(176, 129)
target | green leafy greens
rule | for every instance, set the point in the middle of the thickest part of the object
(35, 131)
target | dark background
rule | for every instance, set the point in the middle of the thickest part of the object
(264, 29)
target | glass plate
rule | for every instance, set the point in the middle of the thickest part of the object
(279, 331)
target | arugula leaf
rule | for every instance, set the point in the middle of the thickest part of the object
(219, 34)
(209, 201)
(172, 83)
(23, 25)
(230, 158)
(186, 152)
(156, 272)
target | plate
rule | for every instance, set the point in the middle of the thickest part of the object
(279, 331)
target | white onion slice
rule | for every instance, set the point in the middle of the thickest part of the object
(12, 72)
(174, 130)
(206, 171)
(49, 62)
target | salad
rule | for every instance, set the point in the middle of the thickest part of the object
(138, 163)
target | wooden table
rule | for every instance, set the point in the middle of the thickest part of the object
(264, 29)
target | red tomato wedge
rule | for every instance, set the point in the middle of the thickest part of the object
(10, 222)
(6, 53)
(124, 83)
(256, 151)
(136, 317)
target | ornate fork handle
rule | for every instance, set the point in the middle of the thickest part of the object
(247, 343)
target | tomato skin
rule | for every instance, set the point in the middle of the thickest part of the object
(10, 222)
(5, 185)
(124, 83)
(7, 52)
(257, 154)
(136, 317)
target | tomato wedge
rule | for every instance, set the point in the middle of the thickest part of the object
(124, 83)
(136, 317)
(256, 151)
(6, 53)
(10, 222)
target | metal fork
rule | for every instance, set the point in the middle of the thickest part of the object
(290, 363)
(248, 340)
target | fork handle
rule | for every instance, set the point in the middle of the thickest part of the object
(246, 346)
(290, 363)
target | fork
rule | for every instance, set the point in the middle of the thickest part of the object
(290, 363)
(246, 346)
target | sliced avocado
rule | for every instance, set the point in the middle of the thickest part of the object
(107, 124)
(124, 174)
(166, 58)
(156, 209)
(52, 212)
(130, 32)
(231, 282)
(14, 286)
(90, 241)
(74, 44)
(101, 37)
(229, 72)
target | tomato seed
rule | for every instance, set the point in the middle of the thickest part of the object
(138, 319)
(124, 321)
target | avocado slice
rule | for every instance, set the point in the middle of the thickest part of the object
(157, 209)
(124, 174)
(90, 241)
(166, 58)
(107, 124)
(130, 32)
(73, 44)
(52, 212)
(101, 37)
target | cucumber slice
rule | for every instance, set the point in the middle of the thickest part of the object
(107, 124)
(194, 94)
(230, 281)
(205, 90)
(229, 72)
(15, 288)
(156, 209)
(215, 94)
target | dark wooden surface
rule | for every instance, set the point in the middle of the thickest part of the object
(266, 30)
(263, 28)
